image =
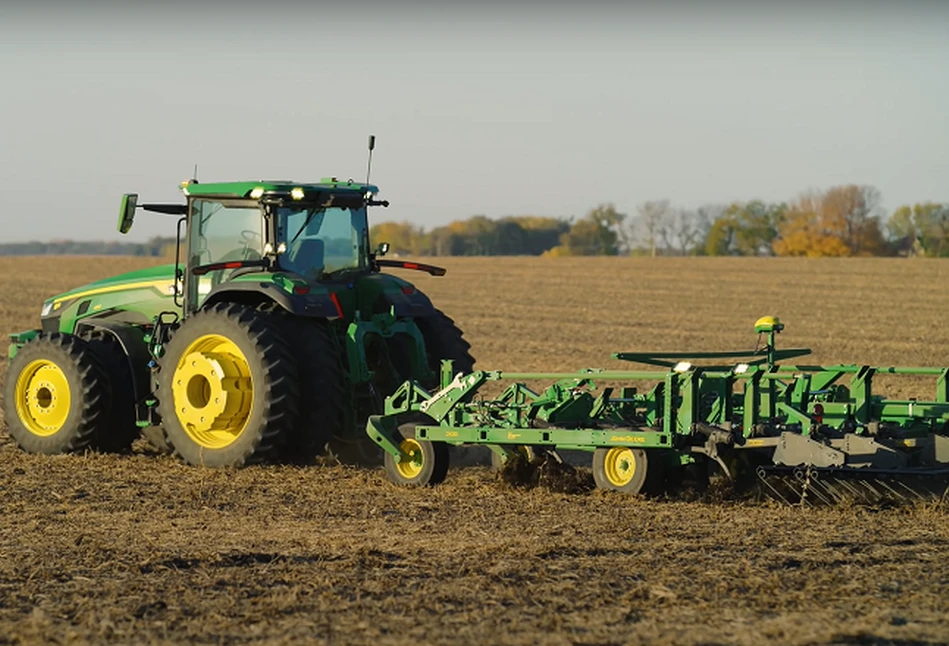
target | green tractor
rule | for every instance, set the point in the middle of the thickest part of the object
(273, 336)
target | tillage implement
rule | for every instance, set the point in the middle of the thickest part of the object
(275, 334)
(801, 433)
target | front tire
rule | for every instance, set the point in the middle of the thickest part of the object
(56, 399)
(227, 387)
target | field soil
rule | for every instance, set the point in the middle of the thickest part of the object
(142, 549)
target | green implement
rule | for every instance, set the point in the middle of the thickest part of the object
(804, 433)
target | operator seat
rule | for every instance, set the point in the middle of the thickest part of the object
(306, 256)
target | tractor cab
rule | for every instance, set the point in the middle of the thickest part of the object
(308, 232)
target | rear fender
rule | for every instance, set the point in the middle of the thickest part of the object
(317, 305)
(408, 302)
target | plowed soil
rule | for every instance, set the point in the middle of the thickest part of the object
(142, 549)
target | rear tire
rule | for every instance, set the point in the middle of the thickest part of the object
(228, 387)
(323, 391)
(56, 398)
(444, 340)
(121, 430)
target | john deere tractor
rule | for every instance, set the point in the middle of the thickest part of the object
(274, 335)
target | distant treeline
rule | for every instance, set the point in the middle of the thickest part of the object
(845, 220)
(154, 247)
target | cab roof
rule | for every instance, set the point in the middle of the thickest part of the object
(253, 189)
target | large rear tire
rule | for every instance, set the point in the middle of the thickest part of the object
(323, 391)
(121, 430)
(228, 387)
(56, 399)
(444, 340)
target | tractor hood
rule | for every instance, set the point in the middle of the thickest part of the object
(161, 277)
(143, 294)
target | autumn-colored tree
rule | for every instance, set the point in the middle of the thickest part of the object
(403, 237)
(843, 221)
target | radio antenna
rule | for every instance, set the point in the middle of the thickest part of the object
(372, 144)
(195, 176)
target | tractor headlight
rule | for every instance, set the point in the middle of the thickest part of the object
(47, 308)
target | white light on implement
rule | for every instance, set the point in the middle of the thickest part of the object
(47, 308)
(257, 192)
(682, 366)
(282, 247)
(741, 368)
(296, 193)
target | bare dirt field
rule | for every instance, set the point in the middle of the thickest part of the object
(142, 549)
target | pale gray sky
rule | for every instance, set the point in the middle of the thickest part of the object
(495, 108)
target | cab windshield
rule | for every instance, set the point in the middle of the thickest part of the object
(322, 240)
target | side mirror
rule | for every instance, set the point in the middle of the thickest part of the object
(382, 249)
(127, 211)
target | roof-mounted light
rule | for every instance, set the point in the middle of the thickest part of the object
(296, 193)
(257, 193)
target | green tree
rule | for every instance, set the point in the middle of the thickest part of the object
(921, 229)
(745, 229)
(596, 234)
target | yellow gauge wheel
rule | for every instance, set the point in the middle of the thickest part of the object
(412, 467)
(213, 391)
(619, 466)
(43, 398)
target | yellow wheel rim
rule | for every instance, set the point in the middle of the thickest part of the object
(620, 466)
(42, 397)
(410, 468)
(213, 391)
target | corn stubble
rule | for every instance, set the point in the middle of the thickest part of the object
(142, 549)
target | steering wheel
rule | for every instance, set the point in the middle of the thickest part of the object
(248, 236)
